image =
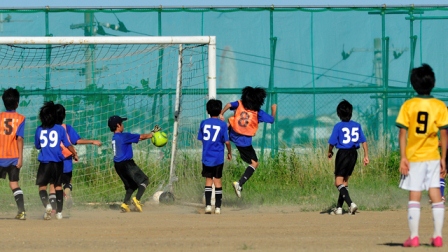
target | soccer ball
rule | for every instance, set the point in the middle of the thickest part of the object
(159, 138)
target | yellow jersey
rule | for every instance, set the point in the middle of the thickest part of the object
(422, 117)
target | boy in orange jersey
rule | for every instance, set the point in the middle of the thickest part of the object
(243, 126)
(12, 131)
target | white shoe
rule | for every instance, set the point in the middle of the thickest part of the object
(47, 214)
(336, 211)
(237, 188)
(59, 216)
(217, 210)
(352, 209)
(208, 209)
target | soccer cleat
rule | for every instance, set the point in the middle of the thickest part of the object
(336, 211)
(352, 209)
(59, 216)
(125, 208)
(137, 204)
(414, 242)
(47, 214)
(208, 209)
(237, 188)
(68, 198)
(217, 210)
(21, 216)
(437, 242)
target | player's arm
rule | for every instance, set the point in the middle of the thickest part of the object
(145, 136)
(87, 141)
(404, 162)
(226, 107)
(443, 139)
(366, 153)
(73, 151)
(273, 110)
(20, 151)
(229, 150)
(330, 150)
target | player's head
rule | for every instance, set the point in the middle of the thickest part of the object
(214, 107)
(114, 121)
(60, 113)
(11, 98)
(47, 115)
(344, 110)
(253, 98)
(423, 79)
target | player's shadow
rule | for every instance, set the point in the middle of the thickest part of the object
(396, 244)
(330, 210)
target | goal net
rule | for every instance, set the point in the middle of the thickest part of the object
(150, 80)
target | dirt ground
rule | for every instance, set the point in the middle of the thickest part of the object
(187, 228)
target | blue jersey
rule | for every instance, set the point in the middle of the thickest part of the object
(347, 135)
(213, 134)
(242, 140)
(48, 141)
(73, 137)
(122, 145)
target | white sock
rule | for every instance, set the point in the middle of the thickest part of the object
(438, 213)
(413, 217)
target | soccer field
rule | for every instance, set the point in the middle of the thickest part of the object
(187, 228)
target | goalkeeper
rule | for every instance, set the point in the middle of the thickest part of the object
(132, 176)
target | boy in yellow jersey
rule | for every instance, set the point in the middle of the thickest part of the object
(421, 118)
(12, 128)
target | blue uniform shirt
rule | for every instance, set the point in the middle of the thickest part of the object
(73, 137)
(244, 141)
(213, 134)
(347, 135)
(49, 143)
(122, 145)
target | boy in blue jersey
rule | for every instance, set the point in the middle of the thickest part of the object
(243, 127)
(213, 134)
(347, 135)
(48, 139)
(132, 176)
(74, 139)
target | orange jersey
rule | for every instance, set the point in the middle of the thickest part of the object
(10, 122)
(65, 151)
(244, 121)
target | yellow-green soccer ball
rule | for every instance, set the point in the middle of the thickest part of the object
(159, 138)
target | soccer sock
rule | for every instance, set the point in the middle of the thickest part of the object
(52, 199)
(247, 174)
(208, 195)
(59, 200)
(340, 200)
(141, 190)
(413, 217)
(69, 186)
(442, 186)
(345, 195)
(127, 196)
(43, 197)
(218, 196)
(438, 213)
(18, 196)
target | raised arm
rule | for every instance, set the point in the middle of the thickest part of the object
(87, 141)
(273, 110)
(145, 136)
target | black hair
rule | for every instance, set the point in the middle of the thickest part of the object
(47, 115)
(60, 113)
(114, 128)
(344, 110)
(11, 98)
(253, 98)
(214, 107)
(423, 79)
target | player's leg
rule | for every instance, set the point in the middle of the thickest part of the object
(43, 178)
(59, 168)
(17, 191)
(139, 182)
(208, 194)
(52, 198)
(249, 156)
(218, 194)
(67, 188)
(438, 206)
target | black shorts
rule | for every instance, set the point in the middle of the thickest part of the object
(12, 171)
(131, 175)
(247, 154)
(66, 178)
(345, 162)
(212, 171)
(50, 173)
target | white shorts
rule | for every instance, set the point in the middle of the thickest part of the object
(422, 176)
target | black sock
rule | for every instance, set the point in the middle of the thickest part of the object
(345, 195)
(218, 196)
(141, 190)
(52, 199)
(68, 185)
(340, 200)
(127, 196)
(59, 200)
(44, 197)
(18, 196)
(208, 195)
(247, 174)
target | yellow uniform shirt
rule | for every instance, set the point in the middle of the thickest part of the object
(422, 116)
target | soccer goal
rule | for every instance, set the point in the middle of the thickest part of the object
(150, 80)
